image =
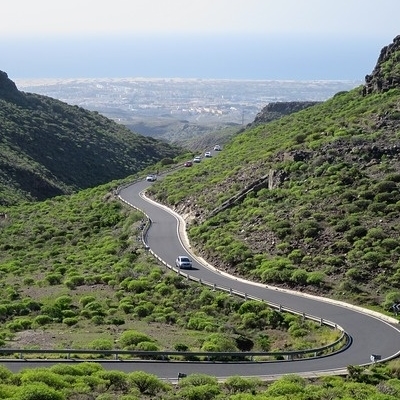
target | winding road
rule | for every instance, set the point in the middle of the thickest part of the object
(371, 333)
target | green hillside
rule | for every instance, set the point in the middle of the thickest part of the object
(310, 201)
(49, 148)
(74, 275)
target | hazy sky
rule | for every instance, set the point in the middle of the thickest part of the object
(238, 39)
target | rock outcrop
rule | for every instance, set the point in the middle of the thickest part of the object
(276, 110)
(386, 74)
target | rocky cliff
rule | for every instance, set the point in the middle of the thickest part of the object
(386, 74)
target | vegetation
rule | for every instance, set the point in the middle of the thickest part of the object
(50, 148)
(308, 201)
(74, 275)
(315, 206)
(91, 381)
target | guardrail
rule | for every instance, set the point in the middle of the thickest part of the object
(131, 355)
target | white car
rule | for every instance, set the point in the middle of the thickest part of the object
(183, 262)
(207, 154)
(217, 147)
(151, 178)
(197, 159)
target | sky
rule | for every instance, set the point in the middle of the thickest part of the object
(215, 39)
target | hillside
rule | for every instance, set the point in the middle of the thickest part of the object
(49, 148)
(309, 201)
(276, 110)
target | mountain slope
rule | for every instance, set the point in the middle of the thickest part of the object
(310, 201)
(48, 147)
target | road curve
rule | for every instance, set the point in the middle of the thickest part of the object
(371, 333)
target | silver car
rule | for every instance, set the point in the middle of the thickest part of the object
(183, 262)
(151, 178)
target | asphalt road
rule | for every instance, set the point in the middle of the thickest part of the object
(370, 333)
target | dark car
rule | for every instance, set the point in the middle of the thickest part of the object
(183, 262)
(188, 164)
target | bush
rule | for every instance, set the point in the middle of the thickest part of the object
(146, 383)
(85, 300)
(53, 279)
(41, 320)
(74, 281)
(205, 392)
(133, 338)
(316, 278)
(391, 298)
(101, 344)
(219, 342)
(238, 384)
(49, 378)
(39, 391)
(19, 325)
(70, 321)
(181, 347)
(355, 233)
(299, 276)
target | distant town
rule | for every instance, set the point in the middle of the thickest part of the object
(156, 107)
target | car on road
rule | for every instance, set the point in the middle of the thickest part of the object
(188, 164)
(151, 178)
(217, 147)
(183, 262)
(207, 154)
(197, 159)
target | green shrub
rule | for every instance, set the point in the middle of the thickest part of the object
(49, 378)
(101, 344)
(355, 233)
(219, 342)
(19, 325)
(53, 279)
(97, 319)
(315, 278)
(181, 347)
(133, 338)
(70, 321)
(299, 276)
(39, 391)
(146, 383)
(41, 320)
(85, 300)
